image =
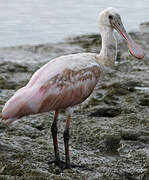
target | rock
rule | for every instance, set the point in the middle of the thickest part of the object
(106, 112)
(144, 101)
(129, 135)
(144, 27)
(112, 143)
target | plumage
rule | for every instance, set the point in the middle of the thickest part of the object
(59, 84)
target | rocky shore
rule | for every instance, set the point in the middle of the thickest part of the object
(109, 131)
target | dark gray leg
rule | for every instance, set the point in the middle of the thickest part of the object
(54, 135)
(66, 142)
(62, 165)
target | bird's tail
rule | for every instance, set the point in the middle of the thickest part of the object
(17, 106)
(1, 117)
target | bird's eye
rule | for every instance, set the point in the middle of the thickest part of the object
(110, 17)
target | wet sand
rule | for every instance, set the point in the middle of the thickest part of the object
(109, 131)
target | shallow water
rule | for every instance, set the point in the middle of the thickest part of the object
(36, 21)
(142, 88)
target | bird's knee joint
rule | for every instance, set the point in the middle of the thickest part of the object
(66, 134)
(54, 129)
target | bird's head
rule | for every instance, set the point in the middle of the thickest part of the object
(110, 18)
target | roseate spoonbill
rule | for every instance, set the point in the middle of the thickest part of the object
(68, 80)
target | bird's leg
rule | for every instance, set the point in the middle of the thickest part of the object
(61, 164)
(54, 135)
(66, 142)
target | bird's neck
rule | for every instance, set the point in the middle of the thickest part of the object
(108, 51)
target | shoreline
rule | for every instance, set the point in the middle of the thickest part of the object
(143, 27)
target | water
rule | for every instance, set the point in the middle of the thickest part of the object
(41, 21)
(142, 88)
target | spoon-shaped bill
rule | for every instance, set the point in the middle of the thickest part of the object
(134, 48)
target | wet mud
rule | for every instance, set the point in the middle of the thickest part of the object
(109, 131)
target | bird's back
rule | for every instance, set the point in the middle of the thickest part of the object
(58, 65)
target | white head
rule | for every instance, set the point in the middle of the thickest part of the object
(110, 19)
(107, 15)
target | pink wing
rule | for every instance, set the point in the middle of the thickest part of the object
(68, 88)
(63, 82)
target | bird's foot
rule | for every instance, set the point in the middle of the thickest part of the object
(61, 164)
(71, 166)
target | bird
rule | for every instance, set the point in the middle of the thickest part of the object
(67, 81)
